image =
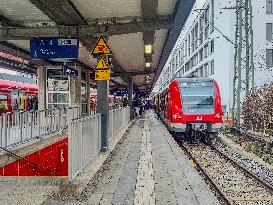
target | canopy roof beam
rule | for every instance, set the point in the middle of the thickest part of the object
(82, 31)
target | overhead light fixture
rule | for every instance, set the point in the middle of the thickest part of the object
(147, 65)
(148, 49)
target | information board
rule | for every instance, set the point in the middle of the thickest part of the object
(54, 48)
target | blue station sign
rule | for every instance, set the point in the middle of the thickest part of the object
(54, 48)
(70, 71)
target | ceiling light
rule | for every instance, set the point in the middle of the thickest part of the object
(148, 49)
(147, 65)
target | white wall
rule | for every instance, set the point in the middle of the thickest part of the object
(260, 18)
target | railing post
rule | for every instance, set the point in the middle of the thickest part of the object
(81, 141)
(39, 122)
(51, 118)
(31, 121)
(70, 150)
(1, 130)
(4, 141)
(59, 120)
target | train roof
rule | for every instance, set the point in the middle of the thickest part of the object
(194, 79)
(12, 85)
(5, 76)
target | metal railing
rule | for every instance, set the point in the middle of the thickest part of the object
(117, 119)
(84, 143)
(19, 127)
(84, 138)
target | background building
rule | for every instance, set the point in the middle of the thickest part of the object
(205, 46)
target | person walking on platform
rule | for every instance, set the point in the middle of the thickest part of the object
(137, 105)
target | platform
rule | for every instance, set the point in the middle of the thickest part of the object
(147, 167)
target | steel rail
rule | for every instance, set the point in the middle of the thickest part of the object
(247, 172)
(215, 187)
(225, 198)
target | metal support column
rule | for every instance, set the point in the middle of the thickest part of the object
(130, 95)
(103, 108)
(41, 71)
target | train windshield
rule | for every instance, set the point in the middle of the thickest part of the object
(197, 97)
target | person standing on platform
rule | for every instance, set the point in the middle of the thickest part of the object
(137, 104)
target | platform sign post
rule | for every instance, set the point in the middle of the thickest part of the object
(102, 74)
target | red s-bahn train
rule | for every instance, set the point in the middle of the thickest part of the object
(17, 96)
(191, 108)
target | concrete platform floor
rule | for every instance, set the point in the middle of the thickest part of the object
(147, 167)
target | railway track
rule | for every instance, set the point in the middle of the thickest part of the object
(232, 182)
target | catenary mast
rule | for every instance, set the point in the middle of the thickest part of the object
(243, 79)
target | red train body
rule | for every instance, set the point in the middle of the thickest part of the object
(190, 104)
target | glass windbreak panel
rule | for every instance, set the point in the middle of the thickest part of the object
(56, 74)
(3, 102)
(58, 98)
(197, 97)
(56, 80)
(57, 106)
(83, 88)
(83, 92)
(58, 85)
(84, 108)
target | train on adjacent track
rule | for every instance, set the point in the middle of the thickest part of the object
(17, 96)
(20, 96)
(191, 108)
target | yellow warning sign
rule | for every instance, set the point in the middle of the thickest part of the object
(102, 74)
(102, 64)
(101, 47)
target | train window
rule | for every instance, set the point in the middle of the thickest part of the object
(3, 102)
(15, 101)
(198, 98)
(33, 102)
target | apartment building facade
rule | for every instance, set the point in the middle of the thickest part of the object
(205, 46)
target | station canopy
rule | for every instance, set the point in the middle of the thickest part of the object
(141, 33)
